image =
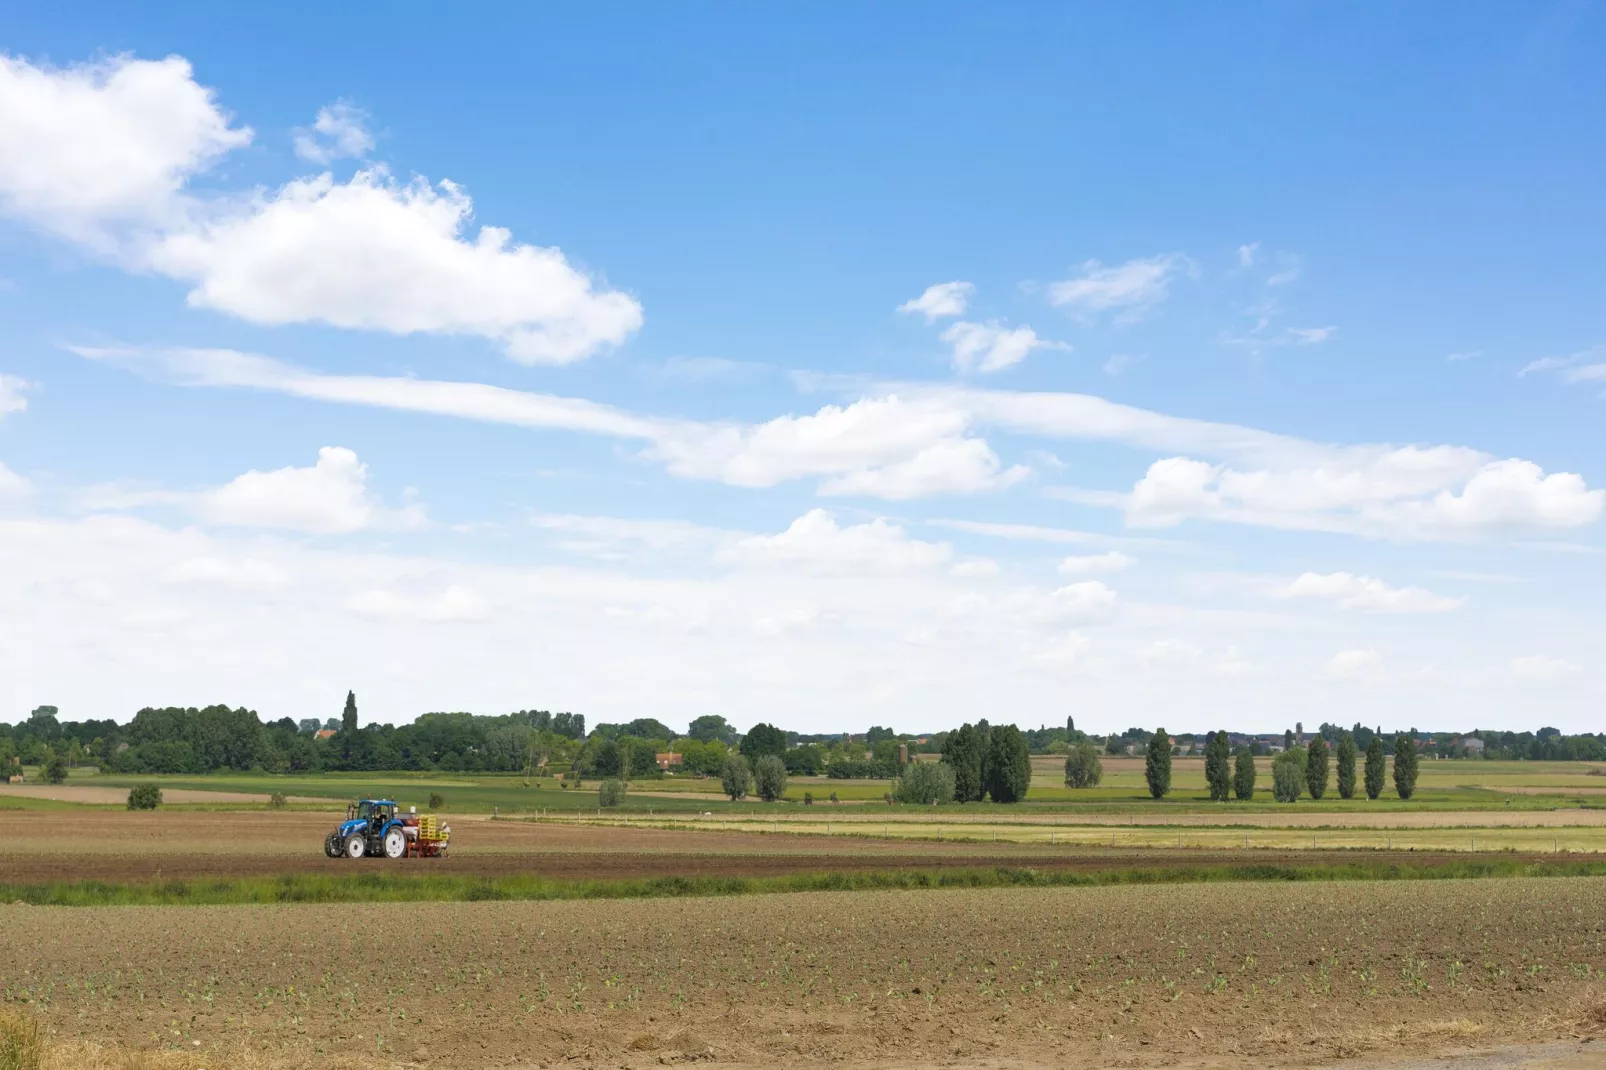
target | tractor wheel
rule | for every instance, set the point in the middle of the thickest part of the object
(331, 845)
(356, 847)
(395, 843)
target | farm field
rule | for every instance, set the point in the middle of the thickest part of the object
(1443, 785)
(1138, 976)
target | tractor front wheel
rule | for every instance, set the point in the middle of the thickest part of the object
(395, 843)
(355, 846)
(331, 845)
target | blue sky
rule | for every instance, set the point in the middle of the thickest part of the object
(1237, 364)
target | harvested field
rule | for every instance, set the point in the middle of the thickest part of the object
(1168, 975)
(124, 846)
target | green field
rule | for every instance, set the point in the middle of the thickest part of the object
(1443, 785)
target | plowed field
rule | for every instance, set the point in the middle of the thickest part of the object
(1226, 973)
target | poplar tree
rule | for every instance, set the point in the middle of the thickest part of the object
(1157, 764)
(1375, 766)
(1405, 764)
(348, 717)
(1008, 768)
(1346, 767)
(1217, 774)
(1316, 768)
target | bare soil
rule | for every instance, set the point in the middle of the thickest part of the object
(1201, 976)
(44, 845)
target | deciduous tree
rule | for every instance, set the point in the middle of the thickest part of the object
(1243, 774)
(736, 777)
(1405, 764)
(1157, 764)
(1217, 775)
(769, 776)
(1082, 766)
(1346, 766)
(1316, 767)
(1008, 768)
(1376, 766)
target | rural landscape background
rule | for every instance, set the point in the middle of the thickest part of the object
(612, 535)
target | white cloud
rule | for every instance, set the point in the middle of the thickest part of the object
(340, 131)
(814, 540)
(375, 254)
(97, 146)
(13, 485)
(103, 154)
(1457, 358)
(941, 301)
(1247, 254)
(1310, 336)
(1120, 362)
(1133, 286)
(1411, 492)
(329, 498)
(1355, 664)
(919, 440)
(1585, 366)
(1087, 602)
(248, 573)
(1087, 564)
(977, 568)
(991, 347)
(1541, 668)
(11, 396)
(620, 538)
(1348, 591)
(454, 604)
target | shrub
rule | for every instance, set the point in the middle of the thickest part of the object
(611, 792)
(735, 777)
(55, 771)
(926, 783)
(1243, 774)
(769, 778)
(1405, 764)
(1157, 764)
(1376, 764)
(1082, 766)
(277, 801)
(834, 798)
(1217, 774)
(1008, 769)
(1316, 768)
(20, 1048)
(144, 797)
(436, 800)
(808, 798)
(1288, 776)
(1346, 767)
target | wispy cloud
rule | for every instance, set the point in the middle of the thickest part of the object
(1128, 289)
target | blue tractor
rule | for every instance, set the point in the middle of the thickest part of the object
(373, 828)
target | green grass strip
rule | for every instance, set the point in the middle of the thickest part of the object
(394, 888)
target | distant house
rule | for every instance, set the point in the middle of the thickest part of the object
(14, 778)
(670, 760)
(1472, 745)
(323, 733)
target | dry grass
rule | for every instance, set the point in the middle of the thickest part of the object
(81, 1055)
(19, 1041)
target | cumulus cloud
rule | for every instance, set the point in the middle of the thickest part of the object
(376, 254)
(1129, 288)
(1410, 492)
(329, 498)
(89, 148)
(941, 301)
(1087, 564)
(339, 131)
(815, 540)
(1348, 591)
(991, 347)
(104, 154)
(1355, 664)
